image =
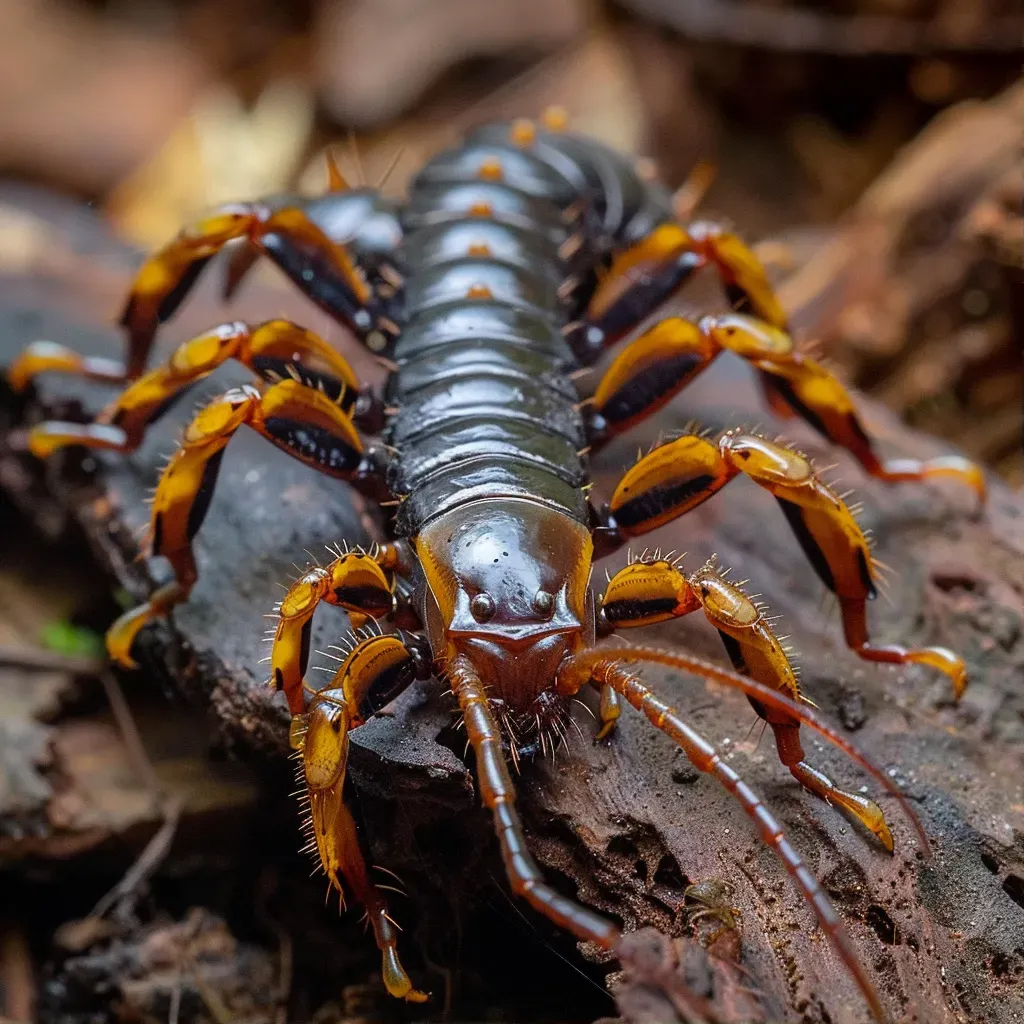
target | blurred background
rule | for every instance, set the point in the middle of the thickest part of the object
(902, 262)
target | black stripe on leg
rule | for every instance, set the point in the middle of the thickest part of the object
(314, 444)
(638, 608)
(659, 500)
(386, 687)
(795, 517)
(315, 274)
(176, 295)
(201, 503)
(370, 600)
(643, 390)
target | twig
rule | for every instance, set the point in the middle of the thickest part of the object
(130, 732)
(157, 848)
(33, 658)
(148, 861)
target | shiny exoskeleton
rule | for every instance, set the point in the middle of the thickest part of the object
(519, 257)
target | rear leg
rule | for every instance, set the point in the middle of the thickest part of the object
(648, 592)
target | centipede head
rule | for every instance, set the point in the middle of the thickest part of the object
(507, 586)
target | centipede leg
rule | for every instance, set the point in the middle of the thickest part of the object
(644, 276)
(796, 384)
(321, 269)
(791, 753)
(123, 632)
(855, 629)
(649, 372)
(609, 712)
(299, 420)
(50, 357)
(678, 476)
(743, 274)
(376, 669)
(354, 581)
(705, 758)
(274, 349)
(648, 592)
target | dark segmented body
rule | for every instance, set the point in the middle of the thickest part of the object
(473, 287)
(485, 404)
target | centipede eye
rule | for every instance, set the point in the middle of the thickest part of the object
(482, 607)
(544, 604)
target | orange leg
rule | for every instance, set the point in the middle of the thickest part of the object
(656, 366)
(609, 712)
(49, 356)
(298, 420)
(644, 276)
(354, 581)
(322, 269)
(375, 665)
(645, 592)
(600, 666)
(275, 349)
(682, 474)
(796, 383)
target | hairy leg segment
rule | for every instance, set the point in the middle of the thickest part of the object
(676, 477)
(648, 592)
(374, 671)
(296, 419)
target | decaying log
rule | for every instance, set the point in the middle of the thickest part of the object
(628, 825)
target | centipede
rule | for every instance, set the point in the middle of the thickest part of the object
(517, 259)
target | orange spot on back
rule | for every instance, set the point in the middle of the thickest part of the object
(481, 210)
(555, 119)
(490, 170)
(523, 132)
(479, 291)
(478, 249)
